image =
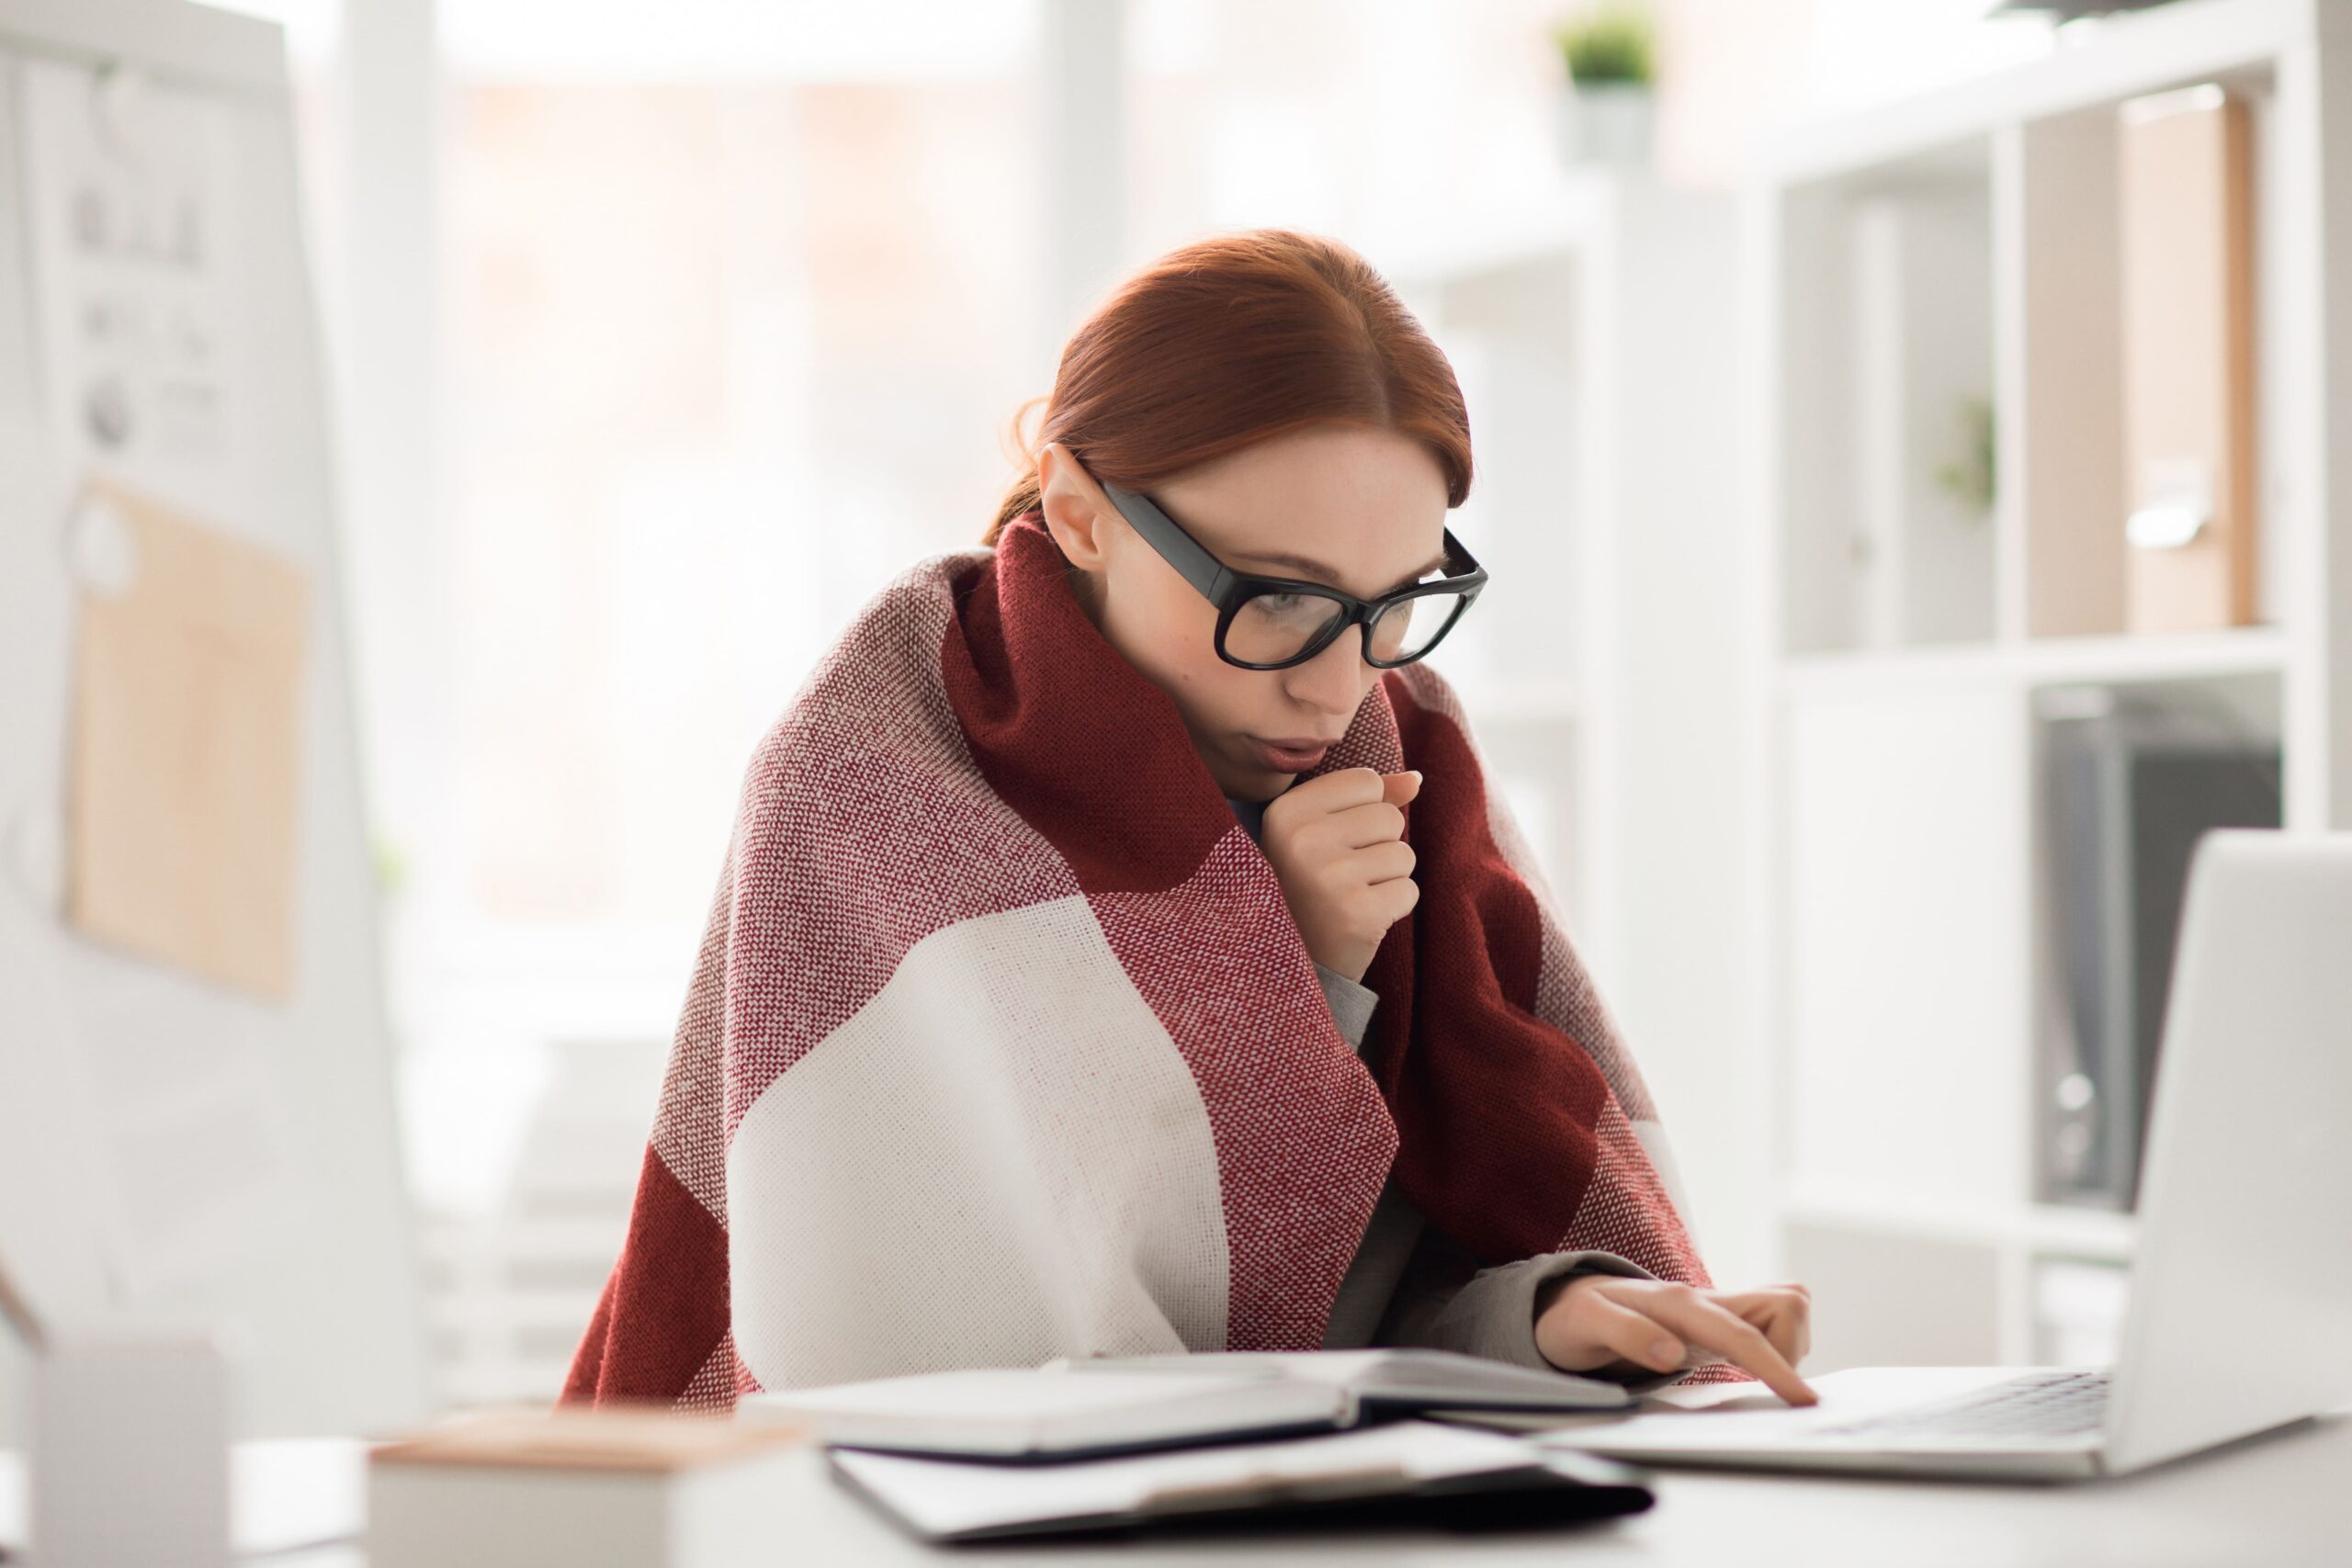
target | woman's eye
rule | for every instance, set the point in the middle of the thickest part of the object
(1289, 607)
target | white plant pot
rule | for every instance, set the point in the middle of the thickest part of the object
(1608, 123)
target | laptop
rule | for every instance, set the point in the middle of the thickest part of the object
(2240, 1315)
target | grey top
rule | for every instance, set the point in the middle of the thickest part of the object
(1409, 1283)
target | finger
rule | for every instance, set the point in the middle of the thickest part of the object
(1795, 1313)
(1334, 791)
(1785, 1329)
(1399, 788)
(1782, 1318)
(1709, 1326)
(1792, 1309)
(1376, 864)
(1397, 896)
(1379, 864)
(1628, 1334)
(1376, 822)
(1755, 1351)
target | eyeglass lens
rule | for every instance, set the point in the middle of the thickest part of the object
(1271, 628)
(1406, 629)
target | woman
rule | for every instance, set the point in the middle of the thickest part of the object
(1119, 947)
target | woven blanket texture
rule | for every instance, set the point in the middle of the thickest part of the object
(1001, 1044)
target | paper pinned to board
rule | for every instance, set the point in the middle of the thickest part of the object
(188, 744)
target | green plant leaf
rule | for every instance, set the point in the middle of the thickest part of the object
(1970, 478)
(1610, 43)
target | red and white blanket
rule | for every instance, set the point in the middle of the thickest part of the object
(1002, 1045)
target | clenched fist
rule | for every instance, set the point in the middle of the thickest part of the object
(1337, 843)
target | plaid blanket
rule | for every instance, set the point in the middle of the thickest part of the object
(1001, 1044)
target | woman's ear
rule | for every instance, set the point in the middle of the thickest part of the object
(1075, 507)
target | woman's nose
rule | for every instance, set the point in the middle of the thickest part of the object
(1334, 680)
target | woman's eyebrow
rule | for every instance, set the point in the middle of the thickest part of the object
(1314, 570)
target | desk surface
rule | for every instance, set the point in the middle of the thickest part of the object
(2284, 1499)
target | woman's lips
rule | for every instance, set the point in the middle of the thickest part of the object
(1289, 757)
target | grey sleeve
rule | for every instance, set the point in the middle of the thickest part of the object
(1351, 1004)
(1446, 1302)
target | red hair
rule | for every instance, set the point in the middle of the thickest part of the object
(1231, 341)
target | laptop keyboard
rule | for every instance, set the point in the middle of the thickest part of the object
(2047, 1405)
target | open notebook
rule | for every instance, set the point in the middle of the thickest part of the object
(1123, 1404)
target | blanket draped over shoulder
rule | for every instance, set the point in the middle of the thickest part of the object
(1002, 1045)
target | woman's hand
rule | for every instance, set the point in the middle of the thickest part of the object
(1657, 1324)
(1336, 841)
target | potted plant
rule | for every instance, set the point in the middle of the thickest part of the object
(1606, 106)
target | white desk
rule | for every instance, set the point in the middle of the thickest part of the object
(2266, 1503)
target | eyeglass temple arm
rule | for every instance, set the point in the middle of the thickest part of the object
(1183, 552)
(1192, 560)
(1455, 547)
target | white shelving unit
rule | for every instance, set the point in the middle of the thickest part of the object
(1547, 314)
(1592, 332)
(1905, 260)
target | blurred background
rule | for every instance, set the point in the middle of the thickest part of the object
(661, 336)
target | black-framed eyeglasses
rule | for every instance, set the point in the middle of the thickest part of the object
(1273, 622)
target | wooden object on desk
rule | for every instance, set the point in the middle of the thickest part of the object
(2188, 283)
(585, 1488)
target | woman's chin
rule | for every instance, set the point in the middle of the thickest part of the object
(1253, 781)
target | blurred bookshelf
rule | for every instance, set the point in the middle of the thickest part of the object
(1978, 780)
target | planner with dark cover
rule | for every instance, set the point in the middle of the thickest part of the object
(1405, 1472)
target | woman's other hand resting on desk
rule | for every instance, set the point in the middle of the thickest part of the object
(1601, 1320)
(1337, 844)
